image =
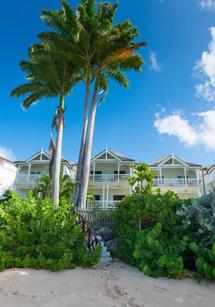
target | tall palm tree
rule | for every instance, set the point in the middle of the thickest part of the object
(104, 50)
(48, 77)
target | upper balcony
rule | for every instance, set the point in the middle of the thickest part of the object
(24, 178)
(109, 177)
(189, 182)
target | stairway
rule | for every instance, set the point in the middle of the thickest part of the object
(105, 257)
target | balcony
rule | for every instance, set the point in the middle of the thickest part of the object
(191, 182)
(99, 204)
(109, 177)
(24, 178)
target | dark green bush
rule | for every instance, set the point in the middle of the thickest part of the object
(163, 235)
(199, 223)
(149, 235)
(33, 234)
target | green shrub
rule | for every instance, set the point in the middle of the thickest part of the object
(149, 235)
(199, 223)
(163, 235)
(33, 234)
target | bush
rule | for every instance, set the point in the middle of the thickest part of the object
(163, 235)
(148, 233)
(199, 223)
(33, 234)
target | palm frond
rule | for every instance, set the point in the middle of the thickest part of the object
(119, 77)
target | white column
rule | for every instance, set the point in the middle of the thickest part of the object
(161, 176)
(29, 170)
(185, 176)
(103, 193)
(107, 195)
(118, 170)
(198, 184)
(94, 167)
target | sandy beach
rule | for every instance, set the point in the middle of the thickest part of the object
(114, 284)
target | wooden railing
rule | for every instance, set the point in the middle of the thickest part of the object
(97, 218)
(90, 237)
(100, 204)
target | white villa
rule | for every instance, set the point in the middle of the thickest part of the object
(108, 175)
(173, 173)
(7, 175)
(31, 169)
(109, 171)
(208, 182)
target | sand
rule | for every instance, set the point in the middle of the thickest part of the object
(115, 284)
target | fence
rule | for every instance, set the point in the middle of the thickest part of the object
(98, 217)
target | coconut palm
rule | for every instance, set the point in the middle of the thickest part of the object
(104, 51)
(48, 77)
(73, 39)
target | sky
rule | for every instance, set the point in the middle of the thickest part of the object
(168, 108)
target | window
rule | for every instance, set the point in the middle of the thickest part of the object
(97, 197)
(158, 180)
(118, 197)
(35, 173)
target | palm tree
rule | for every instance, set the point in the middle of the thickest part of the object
(104, 51)
(43, 187)
(48, 77)
(73, 40)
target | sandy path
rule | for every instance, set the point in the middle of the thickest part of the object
(112, 285)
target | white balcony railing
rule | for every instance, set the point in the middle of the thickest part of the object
(99, 204)
(28, 178)
(109, 177)
(176, 182)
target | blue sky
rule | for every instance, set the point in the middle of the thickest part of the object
(168, 108)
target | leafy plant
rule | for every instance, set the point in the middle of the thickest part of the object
(43, 187)
(33, 234)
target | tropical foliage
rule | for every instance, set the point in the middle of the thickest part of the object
(163, 235)
(104, 51)
(33, 234)
(48, 77)
(43, 187)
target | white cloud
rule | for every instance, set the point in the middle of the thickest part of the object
(202, 133)
(207, 4)
(175, 125)
(7, 153)
(206, 68)
(154, 62)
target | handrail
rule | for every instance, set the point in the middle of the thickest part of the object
(109, 177)
(90, 237)
(176, 182)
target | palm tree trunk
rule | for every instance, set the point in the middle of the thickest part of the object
(88, 152)
(58, 155)
(82, 146)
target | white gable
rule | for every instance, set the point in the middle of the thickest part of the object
(39, 156)
(106, 155)
(173, 160)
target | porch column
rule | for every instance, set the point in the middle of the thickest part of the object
(107, 194)
(198, 182)
(118, 170)
(160, 181)
(94, 167)
(103, 194)
(185, 176)
(29, 171)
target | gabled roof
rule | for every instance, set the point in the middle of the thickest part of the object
(173, 160)
(40, 156)
(108, 154)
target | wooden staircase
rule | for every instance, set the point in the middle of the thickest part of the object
(90, 237)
